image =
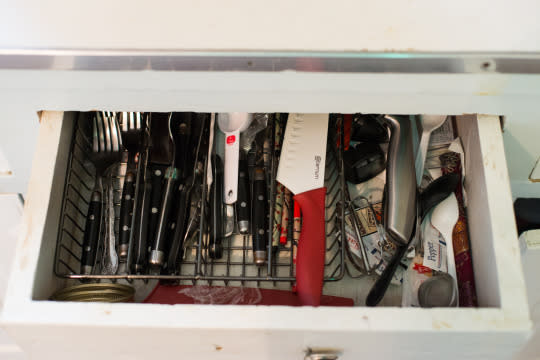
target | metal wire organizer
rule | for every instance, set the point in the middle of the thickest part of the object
(236, 265)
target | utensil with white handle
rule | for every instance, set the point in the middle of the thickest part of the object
(428, 123)
(301, 170)
(232, 124)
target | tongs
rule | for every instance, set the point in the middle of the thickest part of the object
(400, 203)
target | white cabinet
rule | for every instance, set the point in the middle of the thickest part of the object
(496, 330)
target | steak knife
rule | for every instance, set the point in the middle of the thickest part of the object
(301, 170)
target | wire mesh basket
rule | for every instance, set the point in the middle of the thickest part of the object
(236, 265)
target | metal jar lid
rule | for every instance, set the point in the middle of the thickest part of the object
(100, 292)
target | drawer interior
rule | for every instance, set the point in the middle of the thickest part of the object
(59, 255)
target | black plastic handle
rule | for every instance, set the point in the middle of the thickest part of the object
(381, 285)
(126, 212)
(157, 252)
(157, 173)
(141, 228)
(215, 246)
(91, 234)
(243, 203)
(260, 217)
(179, 230)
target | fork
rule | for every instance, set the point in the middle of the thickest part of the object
(106, 145)
(133, 125)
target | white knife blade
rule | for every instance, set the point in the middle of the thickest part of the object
(301, 170)
(303, 154)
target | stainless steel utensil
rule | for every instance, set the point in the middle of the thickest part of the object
(401, 201)
(157, 252)
(106, 146)
(428, 123)
(438, 291)
(132, 125)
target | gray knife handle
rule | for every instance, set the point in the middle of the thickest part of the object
(400, 209)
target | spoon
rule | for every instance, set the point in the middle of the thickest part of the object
(232, 124)
(428, 123)
(444, 218)
(438, 291)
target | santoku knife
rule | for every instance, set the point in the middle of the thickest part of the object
(301, 170)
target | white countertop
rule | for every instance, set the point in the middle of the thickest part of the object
(303, 25)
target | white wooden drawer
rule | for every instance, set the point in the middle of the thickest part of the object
(87, 330)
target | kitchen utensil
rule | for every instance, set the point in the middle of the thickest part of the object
(287, 198)
(177, 129)
(363, 162)
(106, 145)
(161, 156)
(437, 191)
(100, 292)
(452, 163)
(188, 195)
(229, 221)
(260, 217)
(347, 130)
(428, 123)
(400, 201)
(369, 128)
(132, 126)
(137, 257)
(301, 170)
(350, 211)
(194, 219)
(215, 246)
(243, 203)
(278, 208)
(434, 193)
(278, 202)
(110, 257)
(444, 218)
(232, 124)
(438, 291)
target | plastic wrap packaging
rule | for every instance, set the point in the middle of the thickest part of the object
(231, 295)
(223, 295)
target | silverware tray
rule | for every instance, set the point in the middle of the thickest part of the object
(236, 267)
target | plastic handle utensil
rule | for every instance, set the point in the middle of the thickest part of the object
(231, 124)
(301, 170)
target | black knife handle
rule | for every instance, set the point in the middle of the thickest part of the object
(260, 217)
(91, 234)
(141, 228)
(215, 246)
(126, 212)
(179, 230)
(243, 203)
(381, 285)
(157, 173)
(157, 252)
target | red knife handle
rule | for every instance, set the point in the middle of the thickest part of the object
(311, 247)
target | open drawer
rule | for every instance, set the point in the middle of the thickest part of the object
(495, 330)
